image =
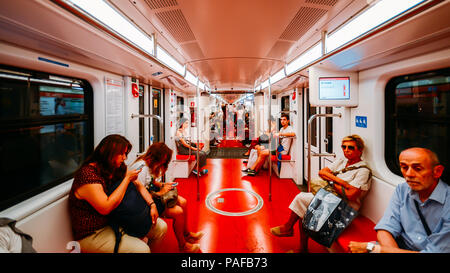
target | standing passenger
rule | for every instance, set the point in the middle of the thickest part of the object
(90, 205)
(401, 228)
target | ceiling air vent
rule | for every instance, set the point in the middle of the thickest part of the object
(175, 22)
(323, 2)
(159, 4)
(305, 18)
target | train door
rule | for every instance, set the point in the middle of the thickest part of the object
(156, 108)
(326, 137)
(143, 133)
(315, 140)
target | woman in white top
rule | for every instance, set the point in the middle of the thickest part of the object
(355, 181)
(156, 160)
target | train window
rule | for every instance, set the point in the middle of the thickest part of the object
(45, 131)
(418, 114)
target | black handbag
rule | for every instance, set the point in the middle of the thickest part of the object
(327, 216)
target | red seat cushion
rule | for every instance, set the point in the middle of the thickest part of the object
(185, 157)
(283, 157)
(360, 230)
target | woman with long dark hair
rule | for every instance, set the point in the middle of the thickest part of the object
(156, 160)
(90, 204)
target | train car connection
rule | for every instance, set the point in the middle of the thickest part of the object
(74, 71)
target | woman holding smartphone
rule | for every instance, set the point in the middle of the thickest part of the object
(90, 201)
(156, 160)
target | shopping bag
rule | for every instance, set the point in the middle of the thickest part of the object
(326, 217)
(252, 157)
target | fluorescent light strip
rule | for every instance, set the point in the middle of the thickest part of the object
(265, 84)
(111, 18)
(167, 59)
(191, 78)
(277, 76)
(306, 58)
(368, 20)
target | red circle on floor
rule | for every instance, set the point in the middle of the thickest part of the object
(234, 201)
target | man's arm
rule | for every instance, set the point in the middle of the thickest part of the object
(387, 244)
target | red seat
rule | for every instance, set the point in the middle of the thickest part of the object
(360, 230)
(185, 157)
(283, 157)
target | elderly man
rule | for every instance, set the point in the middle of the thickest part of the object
(350, 173)
(418, 216)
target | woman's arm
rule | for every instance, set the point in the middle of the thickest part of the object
(352, 193)
(148, 199)
(97, 198)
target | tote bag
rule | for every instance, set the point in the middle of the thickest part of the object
(326, 217)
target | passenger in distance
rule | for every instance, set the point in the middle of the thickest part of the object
(401, 228)
(156, 160)
(350, 173)
(184, 145)
(287, 132)
(90, 205)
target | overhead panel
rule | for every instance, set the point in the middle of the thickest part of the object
(305, 18)
(176, 24)
(159, 4)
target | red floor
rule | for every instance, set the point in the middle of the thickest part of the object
(236, 234)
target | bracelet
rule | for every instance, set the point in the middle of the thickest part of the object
(152, 203)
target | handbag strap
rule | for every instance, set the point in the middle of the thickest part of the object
(424, 223)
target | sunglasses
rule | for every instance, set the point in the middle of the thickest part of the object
(351, 148)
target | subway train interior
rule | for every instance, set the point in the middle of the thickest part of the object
(74, 71)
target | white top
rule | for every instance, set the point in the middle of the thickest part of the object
(10, 242)
(358, 178)
(144, 176)
(286, 141)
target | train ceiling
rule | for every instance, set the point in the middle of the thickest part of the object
(233, 43)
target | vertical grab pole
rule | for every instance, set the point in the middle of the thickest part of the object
(270, 142)
(197, 123)
(310, 120)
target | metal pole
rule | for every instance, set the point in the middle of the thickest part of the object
(310, 120)
(270, 142)
(152, 116)
(197, 123)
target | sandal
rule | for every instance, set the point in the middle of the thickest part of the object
(277, 232)
(190, 248)
(192, 237)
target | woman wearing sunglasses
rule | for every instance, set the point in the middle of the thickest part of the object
(350, 173)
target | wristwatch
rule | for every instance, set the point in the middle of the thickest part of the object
(370, 247)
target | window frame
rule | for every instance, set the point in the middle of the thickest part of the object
(391, 117)
(39, 120)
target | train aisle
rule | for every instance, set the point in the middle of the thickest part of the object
(234, 211)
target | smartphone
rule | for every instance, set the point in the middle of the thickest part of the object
(140, 167)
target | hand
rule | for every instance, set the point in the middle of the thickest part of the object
(276, 135)
(132, 174)
(166, 188)
(357, 247)
(154, 213)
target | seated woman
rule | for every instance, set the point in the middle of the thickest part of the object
(184, 145)
(90, 205)
(156, 160)
(355, 182)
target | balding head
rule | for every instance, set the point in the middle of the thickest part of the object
(421, 169)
